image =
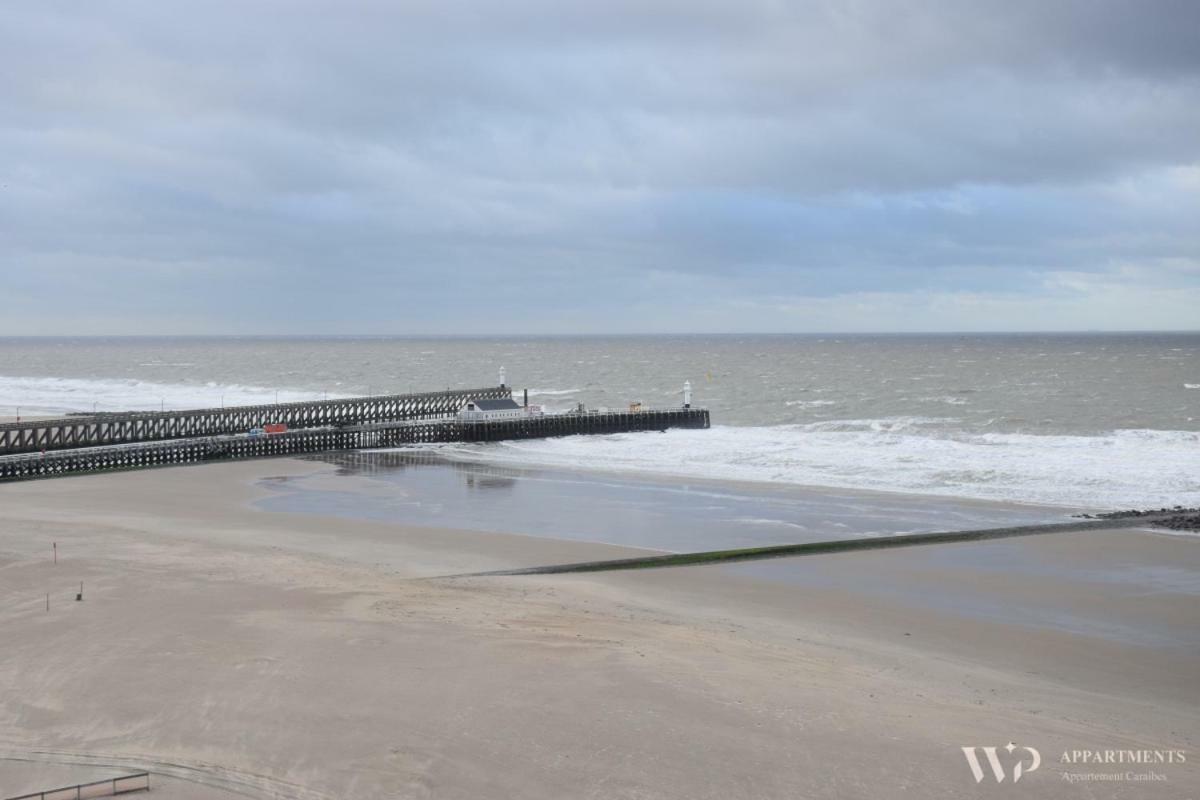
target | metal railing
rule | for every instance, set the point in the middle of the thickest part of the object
(110, 787)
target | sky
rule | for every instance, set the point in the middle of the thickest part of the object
(624, 166)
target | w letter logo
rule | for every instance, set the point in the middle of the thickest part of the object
(993, 761)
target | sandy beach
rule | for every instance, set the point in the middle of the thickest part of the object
(237, 652)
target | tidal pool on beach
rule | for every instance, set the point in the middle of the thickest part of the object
(427, 489)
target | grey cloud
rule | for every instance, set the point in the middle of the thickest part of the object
(525, 156)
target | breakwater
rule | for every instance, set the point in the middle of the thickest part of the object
(1162, 518)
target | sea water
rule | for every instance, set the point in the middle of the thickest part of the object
(813, 438)
(1070, 420)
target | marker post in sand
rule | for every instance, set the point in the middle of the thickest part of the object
(56, 552)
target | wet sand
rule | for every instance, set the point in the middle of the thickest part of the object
(293, 655)
(424, 488)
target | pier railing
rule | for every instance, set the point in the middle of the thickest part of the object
(146, 426)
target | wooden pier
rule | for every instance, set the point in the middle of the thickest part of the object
(93, 430)
(325, 437)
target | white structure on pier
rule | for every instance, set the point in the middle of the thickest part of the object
(485, 410)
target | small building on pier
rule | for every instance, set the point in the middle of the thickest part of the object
(485, 410)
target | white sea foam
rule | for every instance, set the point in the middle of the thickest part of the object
(947, 399)
(774, 523)
(1125, 468)
(810, 403)
(1191, 386)
(553, 392)
(42, 396)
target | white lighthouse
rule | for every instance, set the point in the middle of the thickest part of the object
(503, 379)
(687, 394)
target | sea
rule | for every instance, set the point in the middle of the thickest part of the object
(1096, 420)
(814, 438)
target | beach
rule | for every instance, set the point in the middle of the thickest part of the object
(277, 654)
(593, 401)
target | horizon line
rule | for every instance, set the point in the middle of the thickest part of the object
(636, 334)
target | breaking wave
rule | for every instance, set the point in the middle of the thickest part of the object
(553, 392)
(49, 396)
(920, 455)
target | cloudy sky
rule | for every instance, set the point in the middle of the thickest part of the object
(625, 166)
